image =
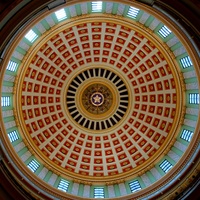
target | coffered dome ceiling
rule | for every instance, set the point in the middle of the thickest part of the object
(133, 80)
(101, 101)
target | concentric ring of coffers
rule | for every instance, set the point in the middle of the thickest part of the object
(97, 83)
(129, 64)
(147, 102)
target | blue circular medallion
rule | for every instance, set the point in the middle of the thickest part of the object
(97, 99)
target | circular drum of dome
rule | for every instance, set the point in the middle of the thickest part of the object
(97, 99)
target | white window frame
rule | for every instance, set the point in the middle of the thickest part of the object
(5, 101)
(13, 136)
(194, 98)
(63, 185)
(165, 165)
(61, 14)
(133, 12)
(164, 31)
(31, 36)
(186, 135)
(33, 165)
(186, 62)
(97, 6)
(99, 193)
(135, 186)
(12, 66)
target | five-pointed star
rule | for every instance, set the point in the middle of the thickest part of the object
(97, 99)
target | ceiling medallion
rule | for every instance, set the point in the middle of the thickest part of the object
(97, 99)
